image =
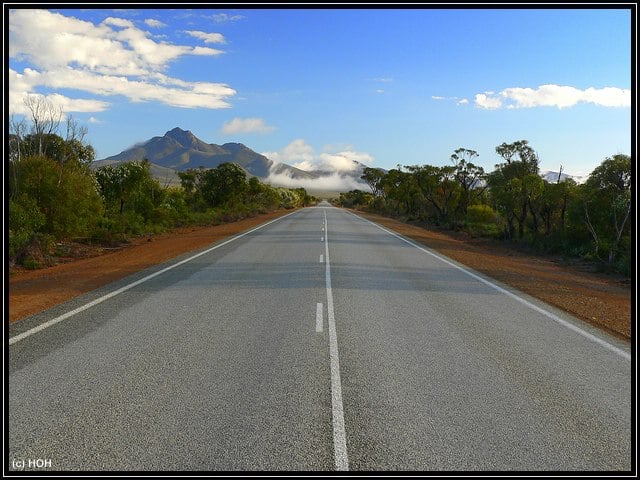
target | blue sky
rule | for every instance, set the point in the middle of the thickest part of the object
(323, 86)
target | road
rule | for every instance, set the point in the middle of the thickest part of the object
(316, 342)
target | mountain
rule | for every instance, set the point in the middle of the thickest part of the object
(552, 177)
(291, 172)
(180, 150)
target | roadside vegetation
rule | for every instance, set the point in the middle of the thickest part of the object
(513, 204)
(55, 196)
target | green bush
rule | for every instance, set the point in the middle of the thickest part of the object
(480, 214)
(25, 222)
(36, 252)
(482, 221)
(66, 196)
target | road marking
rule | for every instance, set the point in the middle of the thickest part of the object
(321, 258)
(322, 239)
(95, 302)
(512, 295)
(339, 434)
(319, 319)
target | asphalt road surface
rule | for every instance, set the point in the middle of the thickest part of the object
(319, 341)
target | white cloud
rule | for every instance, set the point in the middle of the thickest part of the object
(111, 58)
(490, 103)
(608, 96)
(77, 104)
(174, 92)
(297, 151)
(458, 100)
(153, 23)
(206, 51)
(225, 17)
(61, 103)
(21, 86)
(301, 155)
(207, 37)
(336, 166)
(118, 22)
(334, 182)
(343, 161)
(246, 125)
(554, 96)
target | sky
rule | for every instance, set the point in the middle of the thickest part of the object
(322, 86)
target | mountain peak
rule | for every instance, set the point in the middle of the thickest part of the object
(178, 131)
(184, 137)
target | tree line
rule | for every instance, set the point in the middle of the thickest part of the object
(55, 195)
(512, 202)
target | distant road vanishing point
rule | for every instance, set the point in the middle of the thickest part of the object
(316, 342)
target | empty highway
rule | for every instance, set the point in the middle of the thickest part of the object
(316, 342)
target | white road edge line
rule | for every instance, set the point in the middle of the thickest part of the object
(339, 434)
(64, 316)
(319, 319)
(550, 315)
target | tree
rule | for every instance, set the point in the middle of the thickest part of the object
(606, 200)
(123, 183)
(224, 185)
(190, 181)
(355, 198)
(439, 187)
(262, 196)
(400, 191)
(469, 177)
(43, 138)
(52, 192)
(373, 177)
(552, 202)
(17, 132)
(69, 207)
(45, 119)
(514, 182)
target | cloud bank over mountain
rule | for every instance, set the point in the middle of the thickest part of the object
(336, 168)
(331, 182)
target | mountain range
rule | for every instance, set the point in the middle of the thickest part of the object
(179, 150)
(552, 177)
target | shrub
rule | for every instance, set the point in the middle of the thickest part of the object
(482, 221)
(480, 214)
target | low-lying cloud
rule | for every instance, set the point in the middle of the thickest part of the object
(339, 166)
(334, 182)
